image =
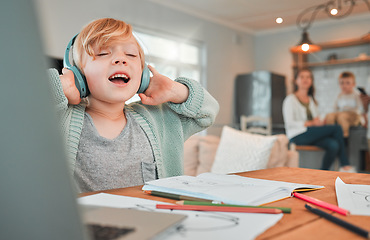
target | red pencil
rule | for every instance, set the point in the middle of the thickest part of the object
(218, 208)
(321, 203)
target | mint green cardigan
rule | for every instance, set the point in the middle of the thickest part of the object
(167, 125)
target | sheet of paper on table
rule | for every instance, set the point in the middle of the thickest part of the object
(353, 197)
(199, 224)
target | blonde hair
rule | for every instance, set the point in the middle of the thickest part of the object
(101, 33)
(347, 75)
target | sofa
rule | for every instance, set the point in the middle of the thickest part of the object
(200, 154)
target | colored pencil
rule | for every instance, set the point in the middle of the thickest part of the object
(176, 196)
(339, 221)
(321, 203)
(218, 208)
(283, 209)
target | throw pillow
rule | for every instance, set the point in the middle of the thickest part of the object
(241, 151)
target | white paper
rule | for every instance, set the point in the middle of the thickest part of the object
(353, 197)
(231, 189)
(198, 224)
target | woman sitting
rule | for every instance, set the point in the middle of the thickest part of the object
(304, 127)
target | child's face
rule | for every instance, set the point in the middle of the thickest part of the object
(114, 75)
(347, 84)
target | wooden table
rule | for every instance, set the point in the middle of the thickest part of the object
(300, 224)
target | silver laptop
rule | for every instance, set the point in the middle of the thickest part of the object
(130, 224)
(37, 201)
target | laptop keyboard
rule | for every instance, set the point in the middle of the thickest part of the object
(100, 232)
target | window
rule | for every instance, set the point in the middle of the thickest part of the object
(172, 57)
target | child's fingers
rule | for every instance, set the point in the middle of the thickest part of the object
(152, 69)
(145, 99)
(68, 73)
(65, 71)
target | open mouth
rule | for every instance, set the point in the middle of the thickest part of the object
(119, 78)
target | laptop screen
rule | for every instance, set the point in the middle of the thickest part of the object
(37, 200)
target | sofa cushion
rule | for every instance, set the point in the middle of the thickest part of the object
(241, 151)
(207, 151)
(191, 153)
(278, 156)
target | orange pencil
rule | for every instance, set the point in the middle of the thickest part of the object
(218, 208)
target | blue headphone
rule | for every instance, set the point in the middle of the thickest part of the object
(80, 79)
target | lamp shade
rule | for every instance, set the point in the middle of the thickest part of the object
(366, 37)
(305, 45)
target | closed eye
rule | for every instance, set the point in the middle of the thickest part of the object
(102, 54)
(131, 55)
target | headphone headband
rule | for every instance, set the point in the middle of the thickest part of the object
(80, 80)
(66, 62)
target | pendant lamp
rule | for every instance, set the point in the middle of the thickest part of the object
(305, 45)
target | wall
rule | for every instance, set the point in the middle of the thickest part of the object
(272, 47)
(229, 52)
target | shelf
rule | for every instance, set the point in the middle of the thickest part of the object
(335, 62)
(345, 43)
(301, 60)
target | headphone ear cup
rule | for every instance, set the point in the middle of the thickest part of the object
(145, 79)
(80, 82)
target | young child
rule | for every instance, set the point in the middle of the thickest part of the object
(113, 145)
(348, 106)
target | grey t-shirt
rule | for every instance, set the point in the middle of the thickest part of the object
(103, 163)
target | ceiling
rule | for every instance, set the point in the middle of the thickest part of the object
(256, 15)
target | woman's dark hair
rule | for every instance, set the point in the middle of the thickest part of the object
(311, 91)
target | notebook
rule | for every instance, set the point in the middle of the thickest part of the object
(230, 189)
(37, 199)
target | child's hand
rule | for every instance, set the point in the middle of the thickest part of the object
(69, 87)
(162, 89)
(365, 100)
